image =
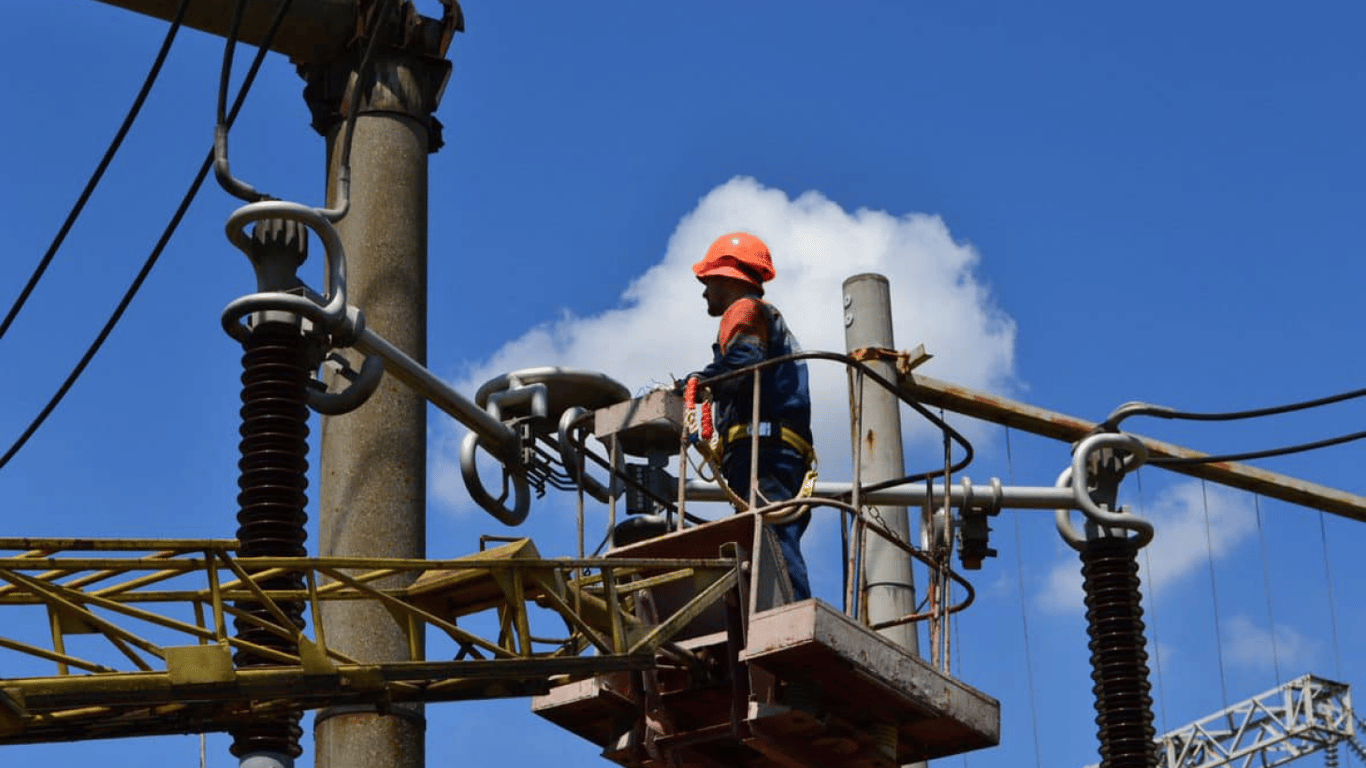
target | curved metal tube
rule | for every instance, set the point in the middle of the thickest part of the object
(1077, 477)
(536, 396)
(496, 507)
(572, 458)
(355, 394)
(334, 309)
(242, 306)
(1063, 516)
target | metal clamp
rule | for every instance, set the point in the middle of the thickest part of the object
(1077, 477)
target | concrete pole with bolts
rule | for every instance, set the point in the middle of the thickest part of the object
(890, 583)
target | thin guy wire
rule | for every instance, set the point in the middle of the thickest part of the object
(152, 258)
(1024, 615)
(1152, 587)
(94, 180)
(1214, 592)
(1332, 610)
(1266, 580)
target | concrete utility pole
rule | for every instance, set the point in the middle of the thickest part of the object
(891, 587)
(891, 583)
(373, 500)
(373, 468)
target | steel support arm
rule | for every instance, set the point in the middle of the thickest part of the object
(499, 439)
(914, 495)
(1001, 410)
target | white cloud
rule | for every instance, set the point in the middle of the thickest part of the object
(1180, 544)
(1250, 645)
(660, 328)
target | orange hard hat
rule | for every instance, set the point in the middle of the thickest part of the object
(739, 255)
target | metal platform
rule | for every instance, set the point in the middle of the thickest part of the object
(797, 685)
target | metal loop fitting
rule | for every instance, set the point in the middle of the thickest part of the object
(329, 315)
(570, 455)
(1077, 477)
(521, 490)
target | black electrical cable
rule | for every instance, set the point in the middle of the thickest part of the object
(244, 191)
(1266, 454)
(901, 394)
(233, 186)
(156, 250)
(1123, 412)
(100, 168)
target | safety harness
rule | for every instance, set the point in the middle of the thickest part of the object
(712, 447)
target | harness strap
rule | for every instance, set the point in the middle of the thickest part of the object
(791, 437)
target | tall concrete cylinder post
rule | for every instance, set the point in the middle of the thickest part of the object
(373, 474)
(891, 588)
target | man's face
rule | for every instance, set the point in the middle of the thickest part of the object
(716, 291)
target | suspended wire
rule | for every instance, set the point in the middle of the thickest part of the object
(1301, 448)
(246, 192)
(1163, 412)
(230, 184)
(1152, 588)
(1024, 615)
(1123, 412)
(152, 258)
(94, 180)
(1266, 578)
(1214, 593)
(1332, 608)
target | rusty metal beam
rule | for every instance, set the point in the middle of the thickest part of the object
(313, 31)
(1059, 426)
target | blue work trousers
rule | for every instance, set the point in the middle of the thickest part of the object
(781, 472)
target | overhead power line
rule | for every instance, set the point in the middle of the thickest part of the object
(1163, 412)
(152, 258)
(100, 168)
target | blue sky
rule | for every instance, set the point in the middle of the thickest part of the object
(1077, 204)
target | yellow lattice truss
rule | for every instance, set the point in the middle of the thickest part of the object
(134, 637)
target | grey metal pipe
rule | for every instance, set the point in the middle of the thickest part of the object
(1010, 497)
(496, 437)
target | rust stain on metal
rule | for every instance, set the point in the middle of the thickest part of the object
(870, 441)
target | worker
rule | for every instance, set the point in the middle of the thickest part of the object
(752, 330)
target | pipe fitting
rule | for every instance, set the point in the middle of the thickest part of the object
(1077, 477)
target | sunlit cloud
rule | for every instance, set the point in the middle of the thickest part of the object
(659, 329)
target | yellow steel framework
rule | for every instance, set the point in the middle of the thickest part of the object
(152, 619)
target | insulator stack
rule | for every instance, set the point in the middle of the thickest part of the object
(271, 505)
(1119, 659)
